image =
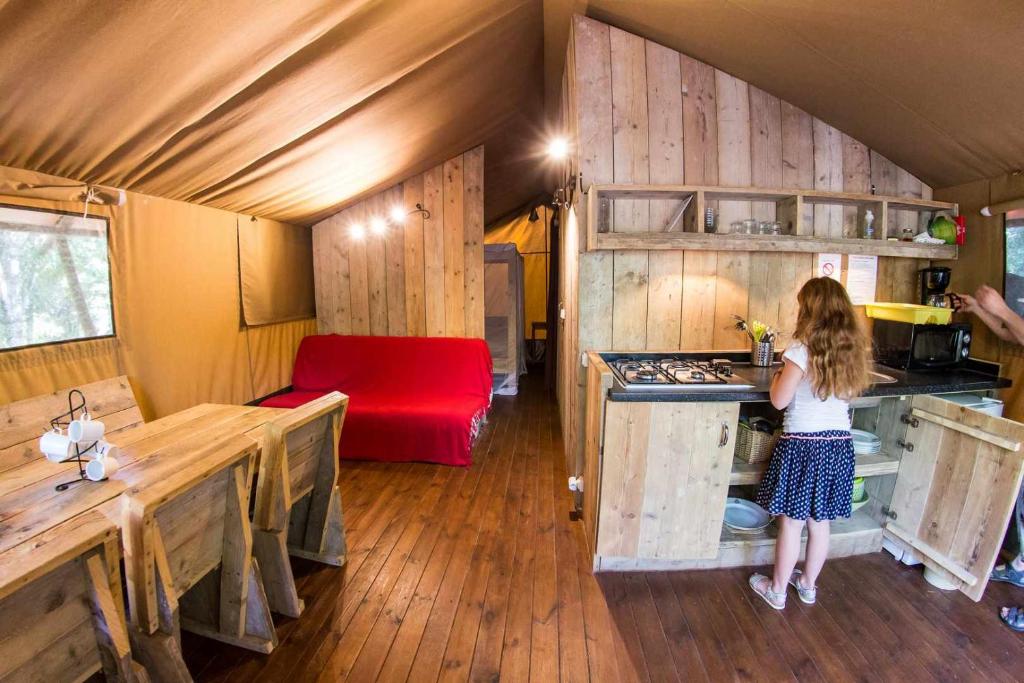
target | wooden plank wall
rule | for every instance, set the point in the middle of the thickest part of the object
(648, 113)
(424, 278)
(642, 112)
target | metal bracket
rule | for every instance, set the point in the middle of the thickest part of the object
(908, 419)
(888, 512)
(905, 445)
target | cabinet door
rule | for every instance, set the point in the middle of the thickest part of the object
(956, 488)
(599, 380)
(664, 479)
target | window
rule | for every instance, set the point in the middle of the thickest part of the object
(1013, 285)
(54, 278)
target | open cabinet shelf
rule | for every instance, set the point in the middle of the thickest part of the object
(684, 227)
(747, 474)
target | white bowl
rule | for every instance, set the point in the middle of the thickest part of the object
(745, 515)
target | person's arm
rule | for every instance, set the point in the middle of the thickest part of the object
(992, 322)
(993, 304)
(784, 384)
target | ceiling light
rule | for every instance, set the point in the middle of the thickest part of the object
(397, 214)
(378, 226)
(357, 231)
(558, 148)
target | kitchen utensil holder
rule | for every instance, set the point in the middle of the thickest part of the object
(752, 445)
(761, 354)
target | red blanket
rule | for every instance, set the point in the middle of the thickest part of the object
(410, 398)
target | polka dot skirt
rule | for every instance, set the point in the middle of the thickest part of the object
(810, 475)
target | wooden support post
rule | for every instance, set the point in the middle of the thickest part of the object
(270, 548)
(111, 633)
(237, 554)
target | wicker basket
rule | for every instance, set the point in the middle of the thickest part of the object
(754, 446)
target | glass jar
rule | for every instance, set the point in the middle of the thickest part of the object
(750, 226)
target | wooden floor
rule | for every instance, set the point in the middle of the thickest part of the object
(479, 574)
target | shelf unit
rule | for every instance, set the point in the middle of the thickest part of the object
(684, 228)
(749, 474)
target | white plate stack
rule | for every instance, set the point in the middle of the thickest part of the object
(865, 443)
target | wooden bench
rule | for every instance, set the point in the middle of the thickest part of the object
(61, 609)
(188, 550)
(23, 422)
(298, 505)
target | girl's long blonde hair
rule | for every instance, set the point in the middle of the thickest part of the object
(838, 350)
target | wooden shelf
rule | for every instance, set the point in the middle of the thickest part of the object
(747, 474)
(858, 523)
(685, 230)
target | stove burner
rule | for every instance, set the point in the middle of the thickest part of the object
(697, 375)
(647, 375)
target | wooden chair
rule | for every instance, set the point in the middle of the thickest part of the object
(23, 422)
(61, 608)
(188, 556)
(298, 504)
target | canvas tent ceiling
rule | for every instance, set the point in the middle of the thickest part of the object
(282, 109)
(291, 110)
(934, 85)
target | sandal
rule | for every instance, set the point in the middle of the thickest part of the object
(1013, 617)
(808, 596)
(1007, 574)
(774, 600)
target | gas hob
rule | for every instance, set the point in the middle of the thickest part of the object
(646, 373)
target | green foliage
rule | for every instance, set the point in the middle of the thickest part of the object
(54, 279)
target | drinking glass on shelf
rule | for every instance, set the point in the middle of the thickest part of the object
(750, 226)
(737, 228)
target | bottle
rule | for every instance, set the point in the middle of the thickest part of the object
(869, 225)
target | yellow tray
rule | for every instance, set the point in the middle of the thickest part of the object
(910, 313)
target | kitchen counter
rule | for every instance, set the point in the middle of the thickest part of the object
(978, 375)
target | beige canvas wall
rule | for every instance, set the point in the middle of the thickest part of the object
(424, 277)
(177, 309)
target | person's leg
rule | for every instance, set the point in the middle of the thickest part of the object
(787, 551)
(817, 550)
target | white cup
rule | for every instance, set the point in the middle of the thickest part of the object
(85, 429)
(101, 468)
(57, 447)
(107, 450)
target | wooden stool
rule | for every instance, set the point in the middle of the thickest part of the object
(61, 609)
(298, 504)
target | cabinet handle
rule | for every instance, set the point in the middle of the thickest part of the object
(723, 440)
(909, 447)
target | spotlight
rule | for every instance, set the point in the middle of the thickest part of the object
(357, 231)
(378, 226)
(558, 148)
(397, 214)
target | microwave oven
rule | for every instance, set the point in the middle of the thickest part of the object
(921, 347)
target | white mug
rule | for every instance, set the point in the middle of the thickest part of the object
(101, 449)
(85, 429)
(101, 468)
(56, 446)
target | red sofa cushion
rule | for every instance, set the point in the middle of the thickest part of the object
(410, 398)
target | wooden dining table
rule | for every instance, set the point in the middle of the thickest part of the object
(184, 481)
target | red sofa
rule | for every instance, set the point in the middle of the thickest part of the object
(410, 398)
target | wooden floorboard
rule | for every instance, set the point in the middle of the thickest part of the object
(480, 574)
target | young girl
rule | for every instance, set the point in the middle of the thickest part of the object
(810, 476)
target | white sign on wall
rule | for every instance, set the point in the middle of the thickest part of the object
(861, 274)
(830, 265)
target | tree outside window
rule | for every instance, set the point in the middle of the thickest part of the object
(54, 278)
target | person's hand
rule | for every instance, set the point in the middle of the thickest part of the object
(967, 304)
(991, 301)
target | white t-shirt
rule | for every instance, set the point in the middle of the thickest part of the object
(807, 412)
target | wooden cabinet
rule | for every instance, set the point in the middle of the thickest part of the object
(664, 479)
(657, 474)
(959, 474)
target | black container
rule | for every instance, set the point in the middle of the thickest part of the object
(921, 347)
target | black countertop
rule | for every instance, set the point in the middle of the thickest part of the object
(977, 375)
